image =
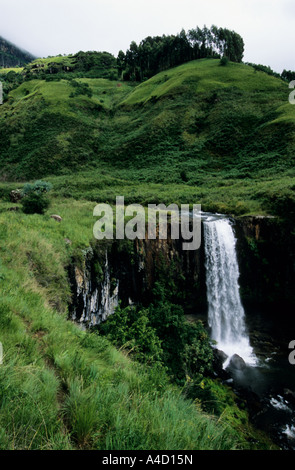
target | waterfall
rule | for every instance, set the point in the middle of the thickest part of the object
(226, 315)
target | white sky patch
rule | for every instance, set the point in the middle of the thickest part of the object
(50, 27)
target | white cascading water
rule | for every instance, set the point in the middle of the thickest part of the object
(226, 315)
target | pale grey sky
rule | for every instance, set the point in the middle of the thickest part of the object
(50, 27)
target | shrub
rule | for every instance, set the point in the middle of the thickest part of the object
(160, 335)
(38, 187)
(35, 203)
(80, 89)
(224, 61)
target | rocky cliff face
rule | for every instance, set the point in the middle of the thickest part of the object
(95, 296)
(266, 251)
(126, 272)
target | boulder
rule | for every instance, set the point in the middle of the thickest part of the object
(56, 217)
(15, 195)
(219, 357)
(237, 362)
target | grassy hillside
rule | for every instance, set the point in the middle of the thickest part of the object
(199, 133)
(11, 69)
(91, 64)
(223, 135)
(203, 76)
(64, 388)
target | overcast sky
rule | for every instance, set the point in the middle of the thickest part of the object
(51, 27)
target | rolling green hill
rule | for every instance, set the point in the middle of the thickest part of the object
(201, 127)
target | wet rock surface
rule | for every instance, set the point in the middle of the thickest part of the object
(237, 362)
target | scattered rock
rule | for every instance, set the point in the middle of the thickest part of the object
(14, 209)
(229, 381)
(67, 241)
(237, 362)
(219, 357)
(15, 195)
(56, 217)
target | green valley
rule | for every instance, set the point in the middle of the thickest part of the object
(213, 127)
(206, 131)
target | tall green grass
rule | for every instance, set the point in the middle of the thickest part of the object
(64, 388)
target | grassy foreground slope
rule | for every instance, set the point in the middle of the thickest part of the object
(60, 387)
(220, 136)
(64, 388)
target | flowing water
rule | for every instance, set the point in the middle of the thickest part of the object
(226, 316)
(268, 375)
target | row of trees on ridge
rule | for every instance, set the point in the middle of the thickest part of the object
(155, 54)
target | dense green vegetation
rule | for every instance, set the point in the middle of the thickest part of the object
(159, 334)
(83, 64)
(34, 200)
(64, 388)
(197, 133)
(209, 131)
